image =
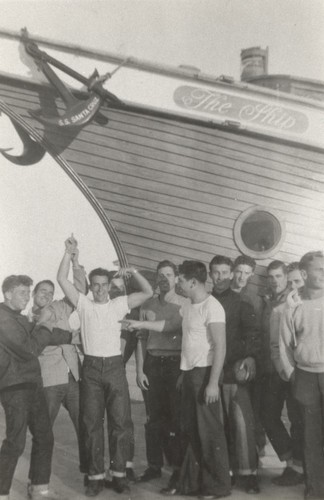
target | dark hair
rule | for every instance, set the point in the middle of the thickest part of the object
(221, 259)
(167, 263)
(14, 281)
(100, 272)
(277, 264)
(308, 257)
(46, 282)
(293, 266)
(111, 275)
(245, 260)
(193, 269)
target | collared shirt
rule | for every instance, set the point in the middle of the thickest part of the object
(100, 327)
(164, 343)
(197, 348)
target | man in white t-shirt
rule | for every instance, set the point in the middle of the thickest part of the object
(103, 383)
(202, 359)
(205, 467)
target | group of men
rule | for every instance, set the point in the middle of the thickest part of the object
(215, 369)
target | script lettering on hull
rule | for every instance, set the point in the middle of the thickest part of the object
(231, 107)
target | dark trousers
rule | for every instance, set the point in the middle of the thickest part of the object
(25, 407)
(275, 392)
(309, 392)
(203, 432)
(104, 387)
(162, 430)
(68, 395)
(240, 429)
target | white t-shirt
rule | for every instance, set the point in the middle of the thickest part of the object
(197, 349)
(100, 327)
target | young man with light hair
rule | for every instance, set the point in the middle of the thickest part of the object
(276, 391)
(104, 385)
(21, 390)
(302, 357)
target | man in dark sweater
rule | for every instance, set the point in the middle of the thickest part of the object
(21, 390)
(242, 351)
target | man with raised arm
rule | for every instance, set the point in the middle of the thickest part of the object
(104, 385)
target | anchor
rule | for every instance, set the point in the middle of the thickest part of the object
(78, 112)
(32, 153)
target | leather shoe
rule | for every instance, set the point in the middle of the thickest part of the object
(119, 484)
(212, 497)
(130, 475)
(149, 474)
(289, 477)
(169, 491)
(94, 487)
(251, 484)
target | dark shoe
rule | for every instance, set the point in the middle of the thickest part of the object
(130, 475)
(119, 484)
(211, 497)
(149, 474)
(289, 477)
(169, 491)
(94, 487)
(251, 484)
(310, 495)
(85, 480)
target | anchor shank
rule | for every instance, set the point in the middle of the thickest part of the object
(64, 92)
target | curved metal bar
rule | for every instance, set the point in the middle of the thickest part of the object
(75, 178)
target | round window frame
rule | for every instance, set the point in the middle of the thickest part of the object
(238, 227)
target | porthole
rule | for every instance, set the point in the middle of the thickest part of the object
(259, 232)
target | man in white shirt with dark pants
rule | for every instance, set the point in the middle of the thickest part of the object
(205, 466)
(104, 385)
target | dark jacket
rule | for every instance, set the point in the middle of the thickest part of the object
(21, 342)
(242, 331)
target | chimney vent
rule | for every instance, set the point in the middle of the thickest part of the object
(254, 62)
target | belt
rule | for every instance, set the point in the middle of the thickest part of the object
(165, 358)
(88, 356)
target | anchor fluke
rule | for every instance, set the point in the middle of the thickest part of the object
(32, 153)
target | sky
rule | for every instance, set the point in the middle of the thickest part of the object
(208, 34)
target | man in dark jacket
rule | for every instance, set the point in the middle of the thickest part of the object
(21, 391)
(242, 351)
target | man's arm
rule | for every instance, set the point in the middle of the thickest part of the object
(62, 277)
(287, 343)
(274, 338)
(138, 298)
(218, 339)
(79, 274)
(250, 328)
(141, 378)
(42, 336)
(157, 326)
